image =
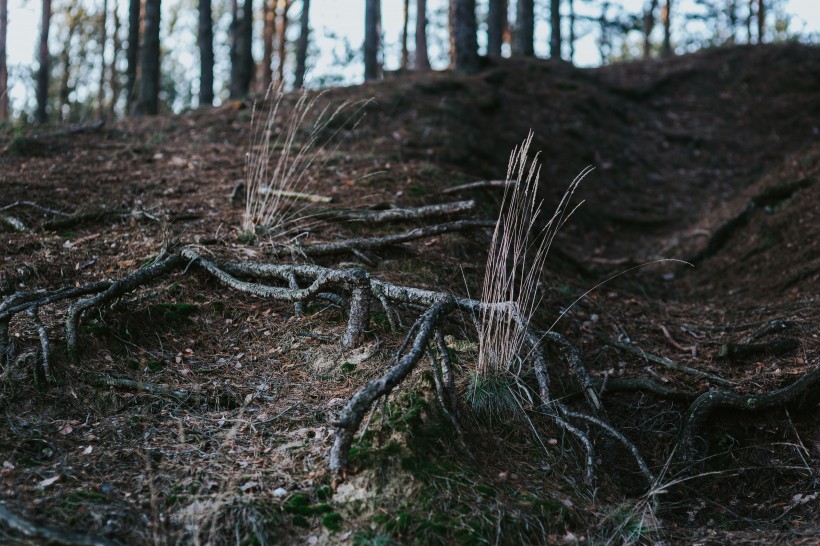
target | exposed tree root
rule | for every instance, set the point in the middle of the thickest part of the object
(188, 398)
(47, 535)
(360, 292)
(395, 214)
(708, 402)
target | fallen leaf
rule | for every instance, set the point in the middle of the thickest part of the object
(249, 485)
(48, 481)
(88, 450)
(66, 430)
(8, 465)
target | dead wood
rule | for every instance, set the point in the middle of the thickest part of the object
(480, 184)
(672, 365)
(189, 398)
(733, 351)
(372, 243)
(395, 214)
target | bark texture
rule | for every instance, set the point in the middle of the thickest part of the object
(464, 41)
(422, 59)
(43, 70)
(372, 37)
(302, 45)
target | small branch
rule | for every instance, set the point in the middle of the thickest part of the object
(397, 214)
(672, 365)
(45, 349)
(640, 384)
(310, 198)
(48, 534)
(577, 368)
(372, 243)
(733, 351)
(33, 205)
(189, 398)
(708, 402)
(480, 184)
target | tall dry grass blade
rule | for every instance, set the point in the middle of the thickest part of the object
(286, 149)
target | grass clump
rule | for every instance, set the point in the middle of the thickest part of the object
(510, 291)
(285, 149)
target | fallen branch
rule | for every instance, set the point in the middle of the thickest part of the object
(733, 351)
(480, 184)
(708, 402)
(396, 214)
(189, 398)
(310, 198)
(672, 365)
(372, 243)
(48, 534)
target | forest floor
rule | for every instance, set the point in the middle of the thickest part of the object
(712, 158)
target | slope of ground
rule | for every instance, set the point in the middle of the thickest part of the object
(712, 158)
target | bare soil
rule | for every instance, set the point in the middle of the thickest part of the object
(711, 158)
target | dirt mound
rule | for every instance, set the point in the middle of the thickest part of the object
(209, 413)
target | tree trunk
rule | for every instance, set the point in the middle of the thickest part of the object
(284, 6)
(571, 31)
(525, 28)
(233, 48)
(666, 17)
(242, 58)
(43, 70)
(302, 46)
(465, 45)
(4, 71)
(422, 60)
(405, 53)
(648, 27)
(555, 33)
(103, 67)
(496, 18)
(761, 20)
(732, 15)
(72, 22)
(372, 37)
(269, 14)
(148, 103)
(131, 53)
(206, 54)
(113, 74)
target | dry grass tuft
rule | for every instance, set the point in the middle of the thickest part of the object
(286, 148)
(516, 259)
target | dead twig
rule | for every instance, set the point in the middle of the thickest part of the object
(479, 184)
(48, 534)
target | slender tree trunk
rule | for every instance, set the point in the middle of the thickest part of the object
(422, 60)
(103, 67)
(571, 31)
(242, 57)
(555, 29)
(284, 6)
(761, 21)
(63, 105)
(648, 27)
(114, 77)
(4, 71)
(749, 17)
(666, 18)
(732, 9)
(131, 54)
(233, 49)
(148, 103)
(525, 28)
(302, 46)
(405, 53)
(206, 54)
(372, 37)
(43, 70)
(496, 18)
(269, 14)
(463, 23)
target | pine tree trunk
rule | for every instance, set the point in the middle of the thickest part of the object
(405, 53)
(206, 54)
(4, 71)
(114, 77)
(284, 6)
(761, 20)
(63, 104)
(648, 27)
(555, 25)
(422, 60)
(103, 67)
(666, 17)
(148, 103)
(131, 54)
(465, 45)
(525, 28)
(372, 37)
(269, 14)
(242, 58)
(302, 46)
(732, 15)
(43, 70)
(233, 49)
(571, 31)
(496, 18)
